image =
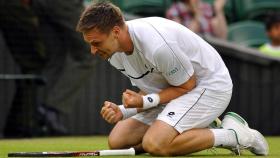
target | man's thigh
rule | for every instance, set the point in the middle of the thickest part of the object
(163, 139)
(196, 109)
(127, 133)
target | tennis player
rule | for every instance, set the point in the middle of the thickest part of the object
(184, 86)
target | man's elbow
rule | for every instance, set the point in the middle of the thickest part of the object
(190, 84)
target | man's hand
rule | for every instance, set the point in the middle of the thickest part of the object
(132, 99)
(111, 112)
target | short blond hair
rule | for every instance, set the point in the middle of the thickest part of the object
(102, 16)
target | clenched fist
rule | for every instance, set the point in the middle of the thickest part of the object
(111, 112)
(132, 99)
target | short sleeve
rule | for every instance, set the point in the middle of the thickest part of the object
(174, 64)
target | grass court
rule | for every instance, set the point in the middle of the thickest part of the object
(100, 142)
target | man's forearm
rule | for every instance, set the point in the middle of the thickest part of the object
(170, 93)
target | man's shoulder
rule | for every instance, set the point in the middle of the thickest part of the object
(147, 20)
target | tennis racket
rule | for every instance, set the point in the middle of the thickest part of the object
(115, 152)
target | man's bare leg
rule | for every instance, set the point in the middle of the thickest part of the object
(128, 133)
(163, 140)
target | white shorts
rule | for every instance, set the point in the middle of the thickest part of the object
(196, 109)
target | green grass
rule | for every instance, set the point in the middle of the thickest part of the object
(100, 142)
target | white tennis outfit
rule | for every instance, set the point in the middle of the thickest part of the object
(168, 54)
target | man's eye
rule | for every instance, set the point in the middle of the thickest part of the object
(95, 43)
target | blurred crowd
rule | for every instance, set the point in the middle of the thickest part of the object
(210, 19)
(200, 17)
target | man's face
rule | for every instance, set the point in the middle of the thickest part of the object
(102, 44)
(274, 33)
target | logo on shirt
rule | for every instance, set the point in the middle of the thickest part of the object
(173, 71)
(170, 114)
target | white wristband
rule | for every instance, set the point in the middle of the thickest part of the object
(127, 112)
(150, 100)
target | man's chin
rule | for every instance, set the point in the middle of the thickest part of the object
(104, 57)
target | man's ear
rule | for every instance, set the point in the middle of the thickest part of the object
(116, 31)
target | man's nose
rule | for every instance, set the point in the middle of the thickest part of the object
(93, 50)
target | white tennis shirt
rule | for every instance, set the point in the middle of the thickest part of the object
(168, 54)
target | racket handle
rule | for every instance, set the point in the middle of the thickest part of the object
(130, 151)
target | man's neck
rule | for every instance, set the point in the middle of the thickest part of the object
(127, 41)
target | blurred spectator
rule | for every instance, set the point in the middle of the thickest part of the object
(7, 87)
(20, 29)
(70, 62)
(273, 32)
(42, 38)
(200, 17)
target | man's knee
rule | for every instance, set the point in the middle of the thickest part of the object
(115, 142)
(126, 134)
(151, 146)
